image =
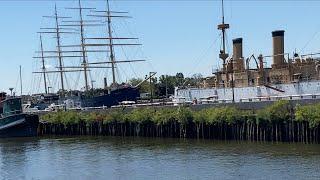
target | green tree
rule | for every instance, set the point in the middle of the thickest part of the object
(179, 79)
(144, 87)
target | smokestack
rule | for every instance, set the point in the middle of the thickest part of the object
(105, 83)
(238, 55)
(237, 48)
(278, 48)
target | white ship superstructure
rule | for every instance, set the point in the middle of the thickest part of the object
(302, 90)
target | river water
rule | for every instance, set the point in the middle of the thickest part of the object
(147, 158)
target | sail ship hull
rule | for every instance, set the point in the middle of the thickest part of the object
(112, 99)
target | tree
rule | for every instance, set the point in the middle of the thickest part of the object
(167, 84)
(195, 80)
(180, 79)
(144, 87)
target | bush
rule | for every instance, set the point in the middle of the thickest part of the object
(184, 115)
(114, 117)
(163, 116)
(200, 117)
(61, 117)
(310, 113)
(277, 112)
(141, 116)
(222, 115)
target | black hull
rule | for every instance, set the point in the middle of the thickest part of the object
(29, 128)
(112, 99)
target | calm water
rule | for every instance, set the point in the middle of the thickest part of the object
(129, 158)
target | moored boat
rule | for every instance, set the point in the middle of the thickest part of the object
(15, 123)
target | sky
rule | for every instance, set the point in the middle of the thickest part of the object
(176, 36)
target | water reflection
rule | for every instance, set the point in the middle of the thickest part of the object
(147, 158)
(14, 155)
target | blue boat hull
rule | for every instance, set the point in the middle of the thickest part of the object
(23, 126)
(114, 98)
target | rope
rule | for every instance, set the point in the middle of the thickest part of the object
(201, 58)
(309, 41)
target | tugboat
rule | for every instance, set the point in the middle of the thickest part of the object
(13, 122)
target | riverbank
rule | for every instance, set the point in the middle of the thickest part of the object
(281, 121)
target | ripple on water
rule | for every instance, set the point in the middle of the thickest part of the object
(147, 158)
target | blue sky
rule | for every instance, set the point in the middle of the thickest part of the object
(177, 36)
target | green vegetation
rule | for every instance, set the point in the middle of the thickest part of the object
(309, 113)
(277, 122)
(165, 84)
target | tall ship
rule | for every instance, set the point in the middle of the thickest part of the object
(13, 122)
(289, 77)
(87, 49)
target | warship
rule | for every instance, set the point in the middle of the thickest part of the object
(289, 77)
(109, 95)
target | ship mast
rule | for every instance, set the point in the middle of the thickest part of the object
(59, 49)
(108, 14)
(112, 57)
(223, 27)
(83, 45)
(57, 31)
(83, 48)
(43, 66)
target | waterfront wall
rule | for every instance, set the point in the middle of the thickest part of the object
(280, 121)
(253, 106)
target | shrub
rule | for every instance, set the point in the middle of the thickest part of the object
(184, 115)
(163, 116)
(277, 112)
(114, 117)
(310, 113)
(141, 116)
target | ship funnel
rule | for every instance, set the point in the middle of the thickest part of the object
(105, 83)
(278, 48)
(238, 55)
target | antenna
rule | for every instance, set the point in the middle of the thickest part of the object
(20, 80)
(222, 7)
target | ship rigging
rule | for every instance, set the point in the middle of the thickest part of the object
(106, 45)
(66, 26)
